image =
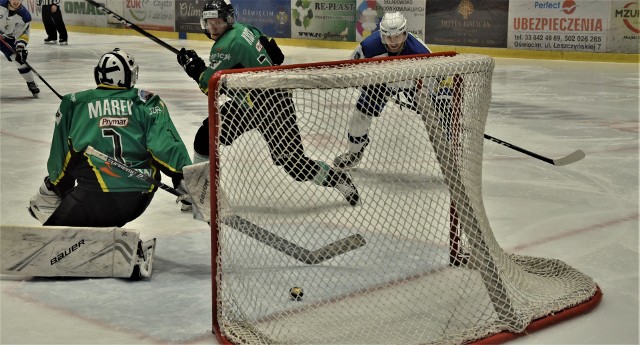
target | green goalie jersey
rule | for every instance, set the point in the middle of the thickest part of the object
(239, 47)
(131, 125)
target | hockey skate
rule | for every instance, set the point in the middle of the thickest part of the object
(33, 87)
(144, 266)
(50, 41)
(349, 160)
(347, 188)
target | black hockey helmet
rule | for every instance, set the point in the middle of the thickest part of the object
(217, 9)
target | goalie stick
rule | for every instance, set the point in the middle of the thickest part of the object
(32, 69)
(134, 26)
(309, 257)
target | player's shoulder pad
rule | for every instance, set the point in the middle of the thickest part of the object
(66, 102)
(373, 39)
(372, 45)
(415, 45)
(24, 14)
(152, 103)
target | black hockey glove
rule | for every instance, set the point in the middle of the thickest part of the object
(273, 50)
(192, 63)
(21, 54)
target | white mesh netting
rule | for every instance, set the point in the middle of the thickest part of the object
(416, 261)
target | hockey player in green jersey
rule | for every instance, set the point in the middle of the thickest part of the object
(239, 45)
(131, 125)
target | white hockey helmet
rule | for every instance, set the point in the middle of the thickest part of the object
(393, 24)
(217, 9)
(116, 68)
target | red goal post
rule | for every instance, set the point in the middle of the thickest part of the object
(415, 261)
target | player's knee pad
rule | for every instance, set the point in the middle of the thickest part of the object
(23, 69)
(373, 99)
(368, 108)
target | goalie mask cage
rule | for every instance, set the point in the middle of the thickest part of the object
(428, 269)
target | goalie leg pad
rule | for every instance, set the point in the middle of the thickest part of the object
(56, 251)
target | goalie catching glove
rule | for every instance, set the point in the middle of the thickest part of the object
(192, 63)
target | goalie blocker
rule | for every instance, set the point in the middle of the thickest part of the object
(55, 251)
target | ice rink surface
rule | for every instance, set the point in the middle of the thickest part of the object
(585, 214)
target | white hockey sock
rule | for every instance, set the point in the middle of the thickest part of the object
(358, 128)
(28, 77)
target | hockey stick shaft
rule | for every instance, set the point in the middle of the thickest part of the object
(571, 158)
(111, 161)
(134, 26)
(32, 69)
(252, 230)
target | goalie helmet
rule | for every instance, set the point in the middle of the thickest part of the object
(217, 9)
(116, 68)
(392, 25)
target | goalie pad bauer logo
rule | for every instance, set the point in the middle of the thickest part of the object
(66, 252)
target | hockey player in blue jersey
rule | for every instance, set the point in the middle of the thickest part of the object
(14, 28)
(392, 39)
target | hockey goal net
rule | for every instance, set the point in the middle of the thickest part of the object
(415, 261)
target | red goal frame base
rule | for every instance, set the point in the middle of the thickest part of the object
(546, 321)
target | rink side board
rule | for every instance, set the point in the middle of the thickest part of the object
(55, 251)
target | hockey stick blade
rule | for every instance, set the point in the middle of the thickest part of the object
(336, 248)
(291, 249)
(572, 158)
